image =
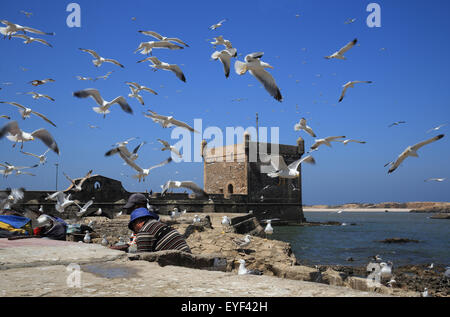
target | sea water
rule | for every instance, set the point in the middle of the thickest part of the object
(333, 245)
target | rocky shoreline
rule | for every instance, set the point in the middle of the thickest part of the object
(275, 258)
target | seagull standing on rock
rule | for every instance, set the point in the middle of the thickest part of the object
(244, 271)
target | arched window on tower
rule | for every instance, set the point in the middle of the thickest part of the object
(230, 188)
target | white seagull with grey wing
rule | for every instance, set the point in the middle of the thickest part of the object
(225, 57)
(77, 186)
(219, 24)
(255, 66)
(168, 147)
(9, 168)
(351, 84)
(29, 39)
(340, 54)
(168, 121)
(12, 28)
(140, 87)
(302, 126)
(282, 170)
(26, 112)
(147, 47)
(37, 95)
(163, 38)
(327, 141)
(183, 184)
(98, 61)
(15, 134)
(157, 64)
(412, 151)
(144, 172)
(104, 105)
(42, 158)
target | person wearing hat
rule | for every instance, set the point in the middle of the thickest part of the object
(136, 201)
(152, 235)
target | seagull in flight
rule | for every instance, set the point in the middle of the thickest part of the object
(143, 172)
(135, 94)
(140, 87)
(168, 121)
(123, 151)
(9, 168)
(169, 147)
(15, 134)
(11, 196)
(26, 112)
(38, 82)
(396, 123)
(105, 77)
(37, 95)
(345, 142)
(62, 201)
(327, 141)
(84, 78)
(412, 151)
(302, 126)
(221, 41)
(351, 84)
(12, 28)
(147, 47)
(42, 158)
(435, 179)
(217, 25)
(349, 21)
(437, 128)
(183, 184)
(82, 210)
(225, 57)
(255, 66)
(28, 14)
(77, 187)
(104, 105)
(340, 54)
(29, 39)
(282, 170)
(157, 64)
(163, 38)
(98, 61)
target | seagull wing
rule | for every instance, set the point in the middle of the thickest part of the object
(310, 131)
(43, 42)
(70, 180)
(417, 146)
(31, 30)
(11, 127)
(149, 90)
(175, 39)
(343, 92)
(253, 56)
(167, 161)
(152, 34)
(333, 138)
(307, 159)
(277, 161)
(225, 58)
(109, 60)
(91, 92)
(123, 104)
(47, 139)
(132, 164)
(347, 47)
(269, 83)
(177, 70)
(165, 143)
(44, 117)
(136, 149)
(31, 154)
(194, 187)
(88, 175)
(14, 104)
(399, 161)
(93, 53)
(182, 125)
(131, 83)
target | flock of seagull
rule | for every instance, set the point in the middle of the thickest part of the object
(252, 64)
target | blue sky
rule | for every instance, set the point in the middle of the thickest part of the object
(410, 83)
